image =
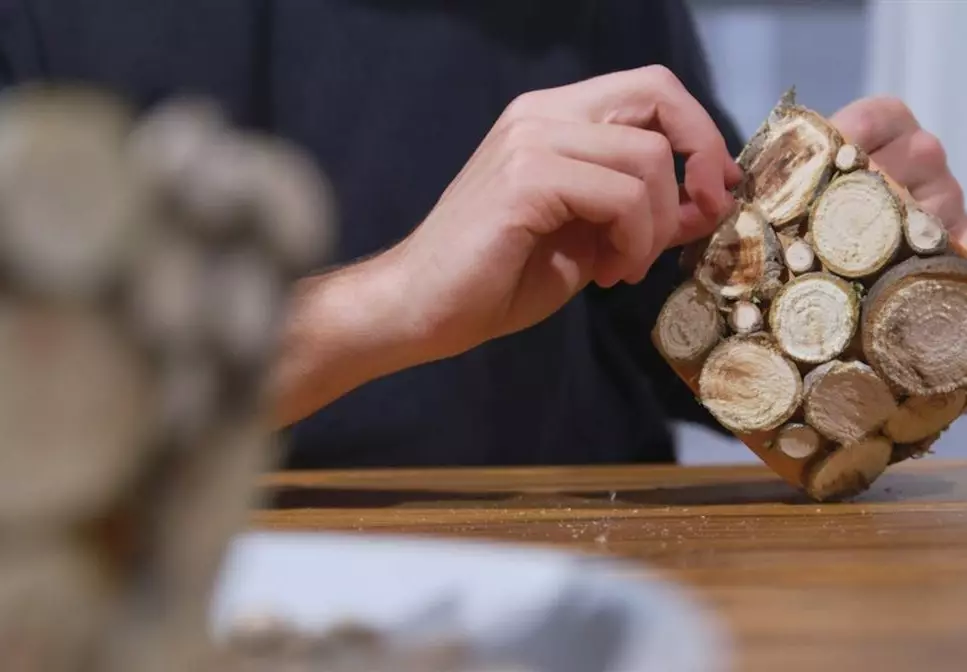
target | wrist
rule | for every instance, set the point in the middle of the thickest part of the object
(344, 329)
(378, 314)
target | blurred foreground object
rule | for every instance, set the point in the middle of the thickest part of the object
(145, 264)
(826, 322)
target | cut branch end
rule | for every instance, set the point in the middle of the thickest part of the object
(924, 233)
(748, 385)
(798, 441)
(742, 260)
(745, 318)
(814, 317)
(857, 224)
(849, 470)
(919, 418)
(800, 257)
(913, 325)
(850, 158)
(788, 160)
(847, 401)
(689, 324)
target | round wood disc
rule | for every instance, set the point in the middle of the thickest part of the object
(815, 317)
(857, 224)
(915, 325)
(689, 324)
(748, 385)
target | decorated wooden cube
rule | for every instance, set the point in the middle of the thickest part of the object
(825, 320)
(145, 260)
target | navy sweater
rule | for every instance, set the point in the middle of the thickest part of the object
(391, 97)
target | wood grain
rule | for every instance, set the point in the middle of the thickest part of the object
(878, 583)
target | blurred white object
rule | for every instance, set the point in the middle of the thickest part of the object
(541, 609)
(917, 53)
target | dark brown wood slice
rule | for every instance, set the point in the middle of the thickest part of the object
(915, 326)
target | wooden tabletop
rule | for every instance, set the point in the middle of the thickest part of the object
(879, 583)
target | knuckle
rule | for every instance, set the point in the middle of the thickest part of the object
(521, 132)
(657, 149)
(638, 194)
(663, 76)
(896, 107)
(927, 150)
(523, 164)
(635, 202)
(523, 105)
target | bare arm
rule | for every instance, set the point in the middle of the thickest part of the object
(346, 328)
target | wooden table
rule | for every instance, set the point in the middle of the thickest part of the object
(876, 584)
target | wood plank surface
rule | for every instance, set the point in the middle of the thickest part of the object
(879, 583)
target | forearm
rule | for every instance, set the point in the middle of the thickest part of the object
(343, 330)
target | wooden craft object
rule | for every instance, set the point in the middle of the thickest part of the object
(825, 322)
(145, 260)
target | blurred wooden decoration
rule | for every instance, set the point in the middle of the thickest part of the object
(145, 262)
(862, 360)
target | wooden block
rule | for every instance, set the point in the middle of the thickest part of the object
(862, 358)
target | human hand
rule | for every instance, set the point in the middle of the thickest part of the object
(572, 185)
(887, 130)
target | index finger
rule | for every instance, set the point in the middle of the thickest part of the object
(654, 98)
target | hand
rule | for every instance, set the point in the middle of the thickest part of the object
(572, 185)
(886, 129)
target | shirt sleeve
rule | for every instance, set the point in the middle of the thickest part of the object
(634, 34)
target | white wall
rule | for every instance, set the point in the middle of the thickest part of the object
(757, 50)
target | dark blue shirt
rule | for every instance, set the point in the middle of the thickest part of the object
(392, 97)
